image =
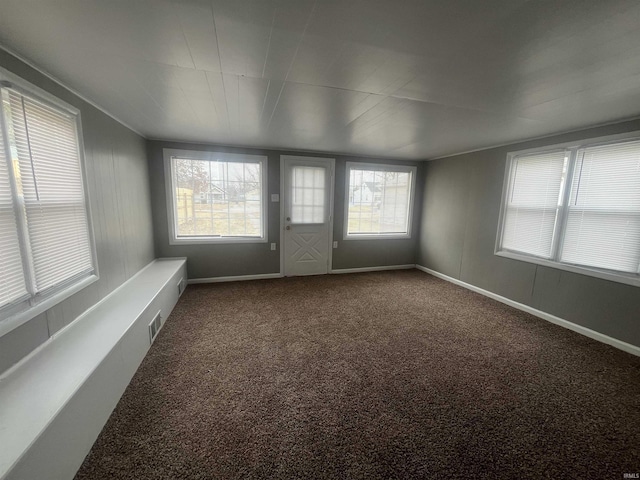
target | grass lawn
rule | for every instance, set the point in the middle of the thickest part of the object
(220, 219)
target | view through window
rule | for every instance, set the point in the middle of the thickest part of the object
(221, 197)
(379, 200)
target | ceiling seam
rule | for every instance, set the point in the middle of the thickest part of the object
(541, 137)
(224, 90)
(81, 96)
(295, 54)
(266, 56)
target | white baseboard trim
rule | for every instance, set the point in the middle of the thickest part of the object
(587, 332)
(264, 276)
(236, 278)
(374, 269)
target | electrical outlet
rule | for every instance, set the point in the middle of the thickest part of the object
(273, 246)
(335, 244)
(275, 197)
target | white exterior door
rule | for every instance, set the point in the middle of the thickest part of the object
(307, 212)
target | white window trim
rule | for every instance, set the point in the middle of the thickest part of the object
(572, 150)
(209, 155)
(15, 315)
(378, 166)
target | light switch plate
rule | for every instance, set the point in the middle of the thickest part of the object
(275, 197)
(335, 244)
(273, 246)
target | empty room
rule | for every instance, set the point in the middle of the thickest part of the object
(319, 239)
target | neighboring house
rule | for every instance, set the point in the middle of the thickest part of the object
(367, 192)
(396, 194)
(394, 209)
(252, 195)
(212, 195)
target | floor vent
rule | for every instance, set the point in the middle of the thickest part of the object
(155, 326)
(182, 284)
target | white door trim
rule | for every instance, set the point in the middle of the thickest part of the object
(332, 162)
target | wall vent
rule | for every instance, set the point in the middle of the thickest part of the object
(155, 326)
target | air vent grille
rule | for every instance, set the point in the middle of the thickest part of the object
(155, 326)
(182, 284)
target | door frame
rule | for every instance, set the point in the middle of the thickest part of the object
(332, 183)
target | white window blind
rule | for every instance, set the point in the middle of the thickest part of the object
(48, 244)
(379, 200)
(603, 222)
(308, 200)
(532, 206)
(577, 208)
(12, 282)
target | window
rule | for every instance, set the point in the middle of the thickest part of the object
(216, 197)
(576, 207)
(308, 195)
(45, 235)
(379, 200)
(533, 203)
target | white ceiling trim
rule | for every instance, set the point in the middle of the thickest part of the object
(542, 137)
(82, 97)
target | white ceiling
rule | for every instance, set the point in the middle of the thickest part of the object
(394, 78)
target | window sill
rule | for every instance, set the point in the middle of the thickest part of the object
(216, 240)
(22, 317)
(392, 236)
(628, 279)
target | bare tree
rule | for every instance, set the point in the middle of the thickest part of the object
(192, 174)
(242, 181)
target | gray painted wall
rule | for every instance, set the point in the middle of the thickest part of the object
(207, 261)
(118, 187)
(459, 224)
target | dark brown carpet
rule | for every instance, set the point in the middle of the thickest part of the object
(377, 375)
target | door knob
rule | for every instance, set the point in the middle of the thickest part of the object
(288, 219)
(288, 227)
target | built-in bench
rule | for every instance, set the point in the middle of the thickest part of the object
(54, 403)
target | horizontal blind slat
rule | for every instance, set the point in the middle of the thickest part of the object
(12, 280)
(52, 186)
(603, 224)
(532, 206)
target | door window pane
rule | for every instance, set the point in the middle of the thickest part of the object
(308, 193)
